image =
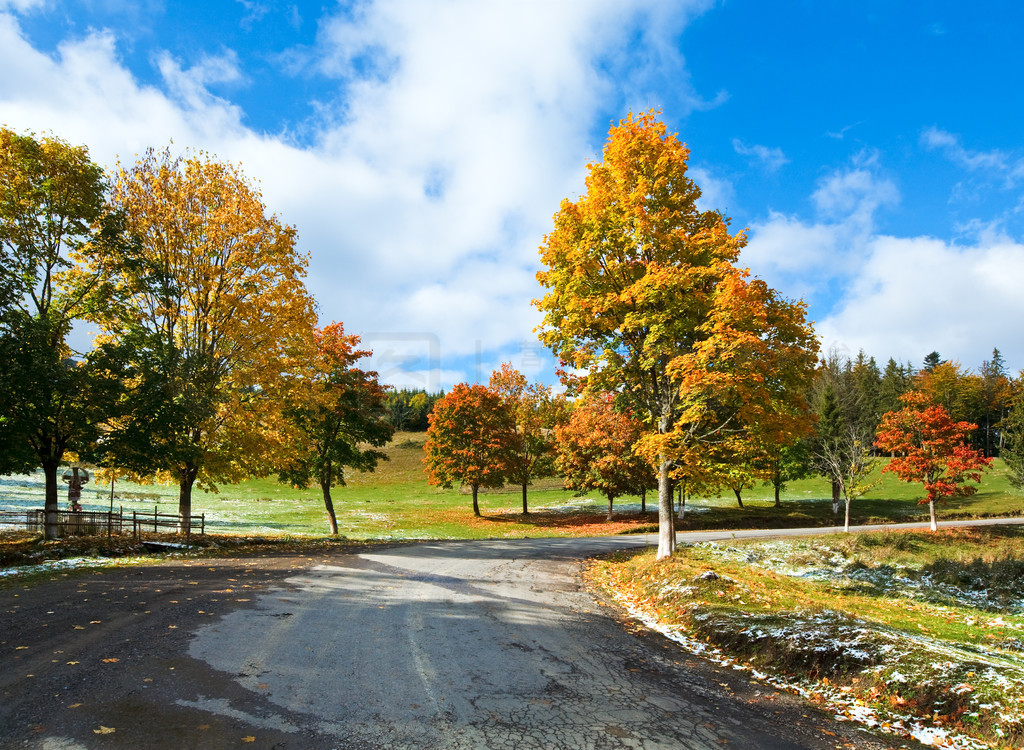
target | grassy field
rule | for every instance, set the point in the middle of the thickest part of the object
(895, 628)
(395, 502)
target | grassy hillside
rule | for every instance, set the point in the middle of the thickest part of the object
(395, 501)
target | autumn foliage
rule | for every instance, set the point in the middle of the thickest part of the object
(928, 447)
(468, 439)
(337, 414)
(643, 294)
(596, 451)
(207, 292)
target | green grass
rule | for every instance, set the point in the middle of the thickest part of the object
(395, 501)
(920, 625)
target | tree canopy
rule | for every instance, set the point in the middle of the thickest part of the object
(930, 448)
(51, 400)
(209, 296)
(643, 296)
(338, 414)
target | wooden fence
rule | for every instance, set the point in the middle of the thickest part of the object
(88, 522)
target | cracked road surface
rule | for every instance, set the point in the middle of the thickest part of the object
(480, 644)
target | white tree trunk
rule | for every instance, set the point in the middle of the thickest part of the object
(666, 519)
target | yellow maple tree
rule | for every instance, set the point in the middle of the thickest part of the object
(205, 290)
(644, 296)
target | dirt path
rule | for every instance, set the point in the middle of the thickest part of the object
(447, 645)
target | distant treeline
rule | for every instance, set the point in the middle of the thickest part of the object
(409, 410)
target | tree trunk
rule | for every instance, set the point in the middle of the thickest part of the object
(186, 478)
(329, 505)
(846, 528)
(526, 511)
(643, 501)
(739, 497)
(778, 500)
(666, 519)
(836, 491)
(610, 498)
(931, 511)
(682, 501)
(51, 527)
(476, 506)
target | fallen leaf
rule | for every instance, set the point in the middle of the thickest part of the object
(250, 738)
(73, 662)
(262, 686)
(203, 726)
(104, 730)
(110, 661)
(74, 705)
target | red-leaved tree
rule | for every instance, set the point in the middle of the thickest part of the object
(595, 451)
(467, 440)
(534, 413)
(928, 447)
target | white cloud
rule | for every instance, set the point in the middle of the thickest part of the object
(898, 297)
(21, 6)
(915, 295)
(994, 162)
(429, 187)
(804, 259)
(771, 159)
(855, 194)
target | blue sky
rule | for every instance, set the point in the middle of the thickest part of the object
(872, 149)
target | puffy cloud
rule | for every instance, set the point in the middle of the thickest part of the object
(806, 259)
(453, 131)
(892, 296)
(919, 294)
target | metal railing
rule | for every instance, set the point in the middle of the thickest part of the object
(89, 522)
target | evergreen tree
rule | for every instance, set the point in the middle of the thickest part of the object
(931, 361)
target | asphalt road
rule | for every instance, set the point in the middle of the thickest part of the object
(483, 644)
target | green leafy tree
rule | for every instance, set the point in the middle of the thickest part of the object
(896, 380)
(1013, 433)
(339, 418)
(782, 464)
(51, 196)
(644, 296)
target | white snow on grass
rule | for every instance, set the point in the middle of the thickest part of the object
(843, 705)
(986, 679)
(70, 563)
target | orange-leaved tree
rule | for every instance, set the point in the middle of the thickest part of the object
(596, 450)
(643, 295)
(208, 297)
(468, 439)
(928, 447)
(338, 414)
(534, 413)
